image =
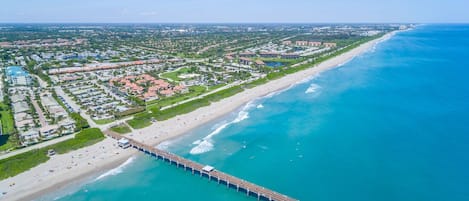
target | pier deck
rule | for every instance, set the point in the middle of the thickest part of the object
(230, 181)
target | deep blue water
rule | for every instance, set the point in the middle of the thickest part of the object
(392, 124)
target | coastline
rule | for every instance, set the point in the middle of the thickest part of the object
(71, 167)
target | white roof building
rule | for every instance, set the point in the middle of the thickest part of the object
(208, 168)
(49, 131)
(28, 137)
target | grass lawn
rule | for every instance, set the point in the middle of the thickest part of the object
(140, 120)
(84, 138)
(285, 62)
(6, 140)
(7, 143)
(15, 165)
(80, 122)
(255, 83)
(8, 125)
(22, 162)
(179, 109)
(144, 119)
(103, 121)
(193, 92)
(121, 129)
(211, 88)
(174, 74)
(224, 94)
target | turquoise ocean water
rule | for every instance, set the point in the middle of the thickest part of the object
(392, 124)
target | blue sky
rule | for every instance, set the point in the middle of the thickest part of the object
(250, 11)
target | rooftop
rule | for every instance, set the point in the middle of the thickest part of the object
(208, 168)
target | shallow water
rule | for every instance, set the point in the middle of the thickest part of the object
(392, 124)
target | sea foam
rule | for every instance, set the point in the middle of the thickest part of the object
(206, 144)
(312, 88)
(165, 145)
(116, 170)
(308, 79)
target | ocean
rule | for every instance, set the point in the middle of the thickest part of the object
(391, 124)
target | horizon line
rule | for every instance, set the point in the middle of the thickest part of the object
(71, 22)
(234, 23)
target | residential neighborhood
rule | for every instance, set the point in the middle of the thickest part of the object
(50, 85)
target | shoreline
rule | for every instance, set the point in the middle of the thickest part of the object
(237, 101)
(72, 168)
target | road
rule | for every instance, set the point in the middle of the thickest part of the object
(74, 106)
(196, 60)
(169, 79)
(37, 146)
(205, 94)
(40, 113)
(123, 121)
(109, 92)
(42, 83)
(104, 127)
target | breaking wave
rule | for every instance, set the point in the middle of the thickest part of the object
(165, 145)
(206, 144)
(312, 88)
(308, 79)
(202, 147)
(116, 170)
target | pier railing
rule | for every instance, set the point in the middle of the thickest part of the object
(248, 188)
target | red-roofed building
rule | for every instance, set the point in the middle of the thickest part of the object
(259, 63)
(143, 86)
(247, 54)
(167, 92)
(314, 43)
(287, 42)
(290, 56)
(229, 58)
(181, 89)
(149, 96)
(301, 43)
(245, 61)
(269, 54)
(332, 45)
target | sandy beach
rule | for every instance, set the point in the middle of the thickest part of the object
(75, 166)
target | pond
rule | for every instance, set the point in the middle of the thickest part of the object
(274, 64)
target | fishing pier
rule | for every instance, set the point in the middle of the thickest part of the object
(208, 172)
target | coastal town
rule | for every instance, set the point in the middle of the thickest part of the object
(69, 74)
(59, 83)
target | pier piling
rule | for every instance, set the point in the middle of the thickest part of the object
(248, 188)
